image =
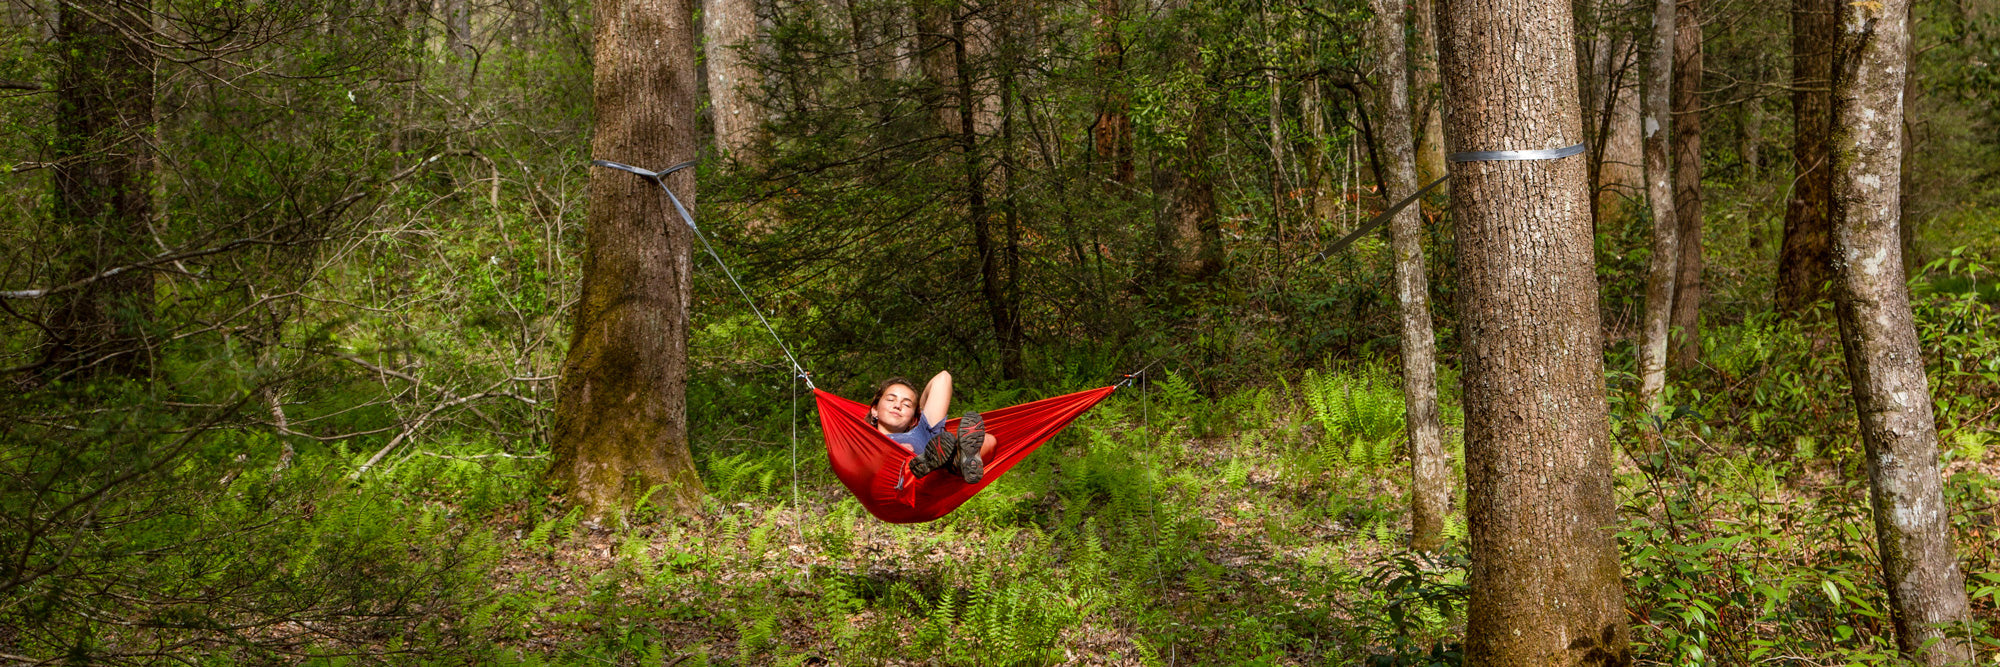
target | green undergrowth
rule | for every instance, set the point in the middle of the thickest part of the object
(1260, 525)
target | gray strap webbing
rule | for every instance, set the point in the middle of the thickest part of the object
(1487, 156)
(658, 178)
(1468, 156)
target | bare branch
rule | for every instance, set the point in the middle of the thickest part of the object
(331, 208)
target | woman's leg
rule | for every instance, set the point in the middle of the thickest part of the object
(986, 448)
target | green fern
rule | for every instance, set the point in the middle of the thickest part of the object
(1454, 528)
(1176, 393)
(550, 529)
(755, 632)
(727, 473)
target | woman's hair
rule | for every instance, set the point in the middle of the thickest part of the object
(883, 388)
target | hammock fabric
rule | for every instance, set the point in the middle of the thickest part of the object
(877, 469)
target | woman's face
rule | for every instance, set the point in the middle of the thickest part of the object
(896, 410)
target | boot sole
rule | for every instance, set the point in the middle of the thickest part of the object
(971, 434)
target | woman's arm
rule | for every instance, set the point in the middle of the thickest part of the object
(937, 397)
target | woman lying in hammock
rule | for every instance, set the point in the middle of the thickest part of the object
(895, 413)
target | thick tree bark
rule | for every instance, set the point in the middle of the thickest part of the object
(1689, 291)
(1662, 272)
(1425, 92)
(1878, 333)
(1805, 260)
(1111, 134)
(1545, 574)
(621, 416)
(1430, 466)
(103, 199)
(728, 27)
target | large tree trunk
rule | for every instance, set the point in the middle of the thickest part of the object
(1805, 259)
(731, 26)
(1663, 269)
(1688, 291)
(1430, 465)
(1425, 91)
(621, 415)
(1545, 575)
(1111, 135)
(103, 200)
(1878, 332)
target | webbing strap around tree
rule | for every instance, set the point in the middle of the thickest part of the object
(659, 178)
(1467, 156)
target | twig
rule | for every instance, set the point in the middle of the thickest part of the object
(425, 418)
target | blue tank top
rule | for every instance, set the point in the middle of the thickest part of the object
(919, 436)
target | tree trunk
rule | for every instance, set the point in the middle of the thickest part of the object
(1620, 179)
(993, 285)
(1318, 162)
(1749, 142)
(621, 415)
(1878, 333)
(731, 26)
(457, 16)
(1189, 235)
(1190, 238)
(1012, 365)
(1111, 134)
(458, 28)
(1685, 337)
(935, 58)
(1663, 269)
(1426, 93)
(103, 201)
(1805, 258)
(1594, 83)
(1430, 465)
(1274, 121)
(1907, 224)
(1545, 574)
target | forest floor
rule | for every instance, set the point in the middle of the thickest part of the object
(1261, 528)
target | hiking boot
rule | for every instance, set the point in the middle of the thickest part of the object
(971, 435)
(937, 455)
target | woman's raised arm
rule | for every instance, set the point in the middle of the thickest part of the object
(937, 397)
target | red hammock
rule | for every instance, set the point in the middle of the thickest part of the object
(877, 469)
